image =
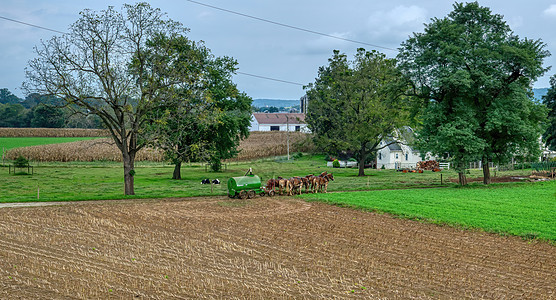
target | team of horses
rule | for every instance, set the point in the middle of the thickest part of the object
(294, 185)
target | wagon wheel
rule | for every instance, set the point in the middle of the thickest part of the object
(271, 193)
(251, 194)
(231, 196)
(242, 194)
(262, 194)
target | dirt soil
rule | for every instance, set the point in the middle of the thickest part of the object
(264, 248)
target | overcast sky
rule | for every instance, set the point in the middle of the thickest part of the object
(269, 50)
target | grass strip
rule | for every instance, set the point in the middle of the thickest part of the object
(523, 209)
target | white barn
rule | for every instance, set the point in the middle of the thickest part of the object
(278, 122)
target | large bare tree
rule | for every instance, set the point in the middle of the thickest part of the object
(100, 66)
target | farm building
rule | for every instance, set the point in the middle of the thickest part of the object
(278, 122)
(396, 156)
(397, 153)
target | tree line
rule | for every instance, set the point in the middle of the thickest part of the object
(40, 111)
(465, 84)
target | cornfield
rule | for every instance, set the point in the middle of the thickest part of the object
(52, 132)
(273, 143)
(258, 145)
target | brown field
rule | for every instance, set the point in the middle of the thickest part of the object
(258, 145)
(265, 248)
(52, 132)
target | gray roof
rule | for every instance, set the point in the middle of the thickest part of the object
(394, 147)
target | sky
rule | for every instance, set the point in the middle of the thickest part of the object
(269, 50)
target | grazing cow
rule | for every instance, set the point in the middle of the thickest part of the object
(216, 181)
(205, 181)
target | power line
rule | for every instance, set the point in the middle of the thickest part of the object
(32, 25)
(290, 26)
(242, 73)
(268, 78)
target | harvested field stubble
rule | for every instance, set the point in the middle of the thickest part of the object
(266, 249)
(258, 145)
(52, 132)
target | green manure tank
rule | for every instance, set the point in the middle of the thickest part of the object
(245, 186)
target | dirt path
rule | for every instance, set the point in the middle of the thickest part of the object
(265, 248)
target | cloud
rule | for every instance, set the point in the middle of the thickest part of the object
(325, 44)
(550, 11)
(396, 24)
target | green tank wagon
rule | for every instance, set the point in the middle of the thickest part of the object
(245, 187)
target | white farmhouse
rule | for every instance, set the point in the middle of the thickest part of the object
(397, 156)
(278, 122)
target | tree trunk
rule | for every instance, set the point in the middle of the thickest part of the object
(462, 178)
(177, 171)
(362, 158)
(129, 173)
(486, 171)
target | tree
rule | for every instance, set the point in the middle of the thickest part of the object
(6, 97)
(353, 106)
(203, 118)
(101, 67)
(47, 116)
(550, 101)
(13, 115)
(474, 76)
(231, 123)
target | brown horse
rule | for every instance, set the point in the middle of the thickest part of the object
(295, 184)
(327, 177)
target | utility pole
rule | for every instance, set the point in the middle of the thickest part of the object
(288, 134)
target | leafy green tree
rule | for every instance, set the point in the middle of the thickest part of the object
(7, 97)
(353, 106)
(47, 116)
(231, 122)
(474, 76)
(550, 101)
(100, 66)
(13, 115)
(204, 117)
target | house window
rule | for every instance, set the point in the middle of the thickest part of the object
(397, 156)
(379, 155)
(274, 128)
(297, 128)
(406, 156)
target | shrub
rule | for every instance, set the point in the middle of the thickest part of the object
(336, 163)
(21, 162)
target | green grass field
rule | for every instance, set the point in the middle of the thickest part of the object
(7, 143)
(523, 209)
(104, 180)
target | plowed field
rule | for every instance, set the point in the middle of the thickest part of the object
(265, 248)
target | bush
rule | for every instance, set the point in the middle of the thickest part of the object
(298, 155)
(336, 163)
(21, 162)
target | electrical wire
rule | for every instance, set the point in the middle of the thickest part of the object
(242, 73)
(32, 25)
(290, 26)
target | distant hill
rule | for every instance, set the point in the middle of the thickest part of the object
(274, 102)
(538, 93)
